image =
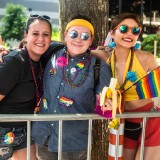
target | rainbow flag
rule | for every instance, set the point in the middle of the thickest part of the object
(149, 85)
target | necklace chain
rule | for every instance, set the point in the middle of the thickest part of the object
(122, 87)
(38, 87)
(67, 73)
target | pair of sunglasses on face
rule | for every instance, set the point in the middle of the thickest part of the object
(74, 34)
(125, 29)
(40, 16)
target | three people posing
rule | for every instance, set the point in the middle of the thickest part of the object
(69, 88)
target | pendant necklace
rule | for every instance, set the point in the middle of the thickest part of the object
(122, 87)
(67, 71)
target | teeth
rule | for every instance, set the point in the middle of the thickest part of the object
(40, 45)
(127, 39)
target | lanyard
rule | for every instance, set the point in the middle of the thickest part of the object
(38, 87)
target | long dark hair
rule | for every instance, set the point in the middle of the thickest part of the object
(32, 19)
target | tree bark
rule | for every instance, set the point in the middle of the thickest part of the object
(96, 10)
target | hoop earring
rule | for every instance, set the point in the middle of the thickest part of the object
(112, 44)
(137, 45)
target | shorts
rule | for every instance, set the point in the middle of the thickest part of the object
(132, 131)
(12, 139)
(44, 154)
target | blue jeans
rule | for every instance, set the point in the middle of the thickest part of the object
(19, 142)
(44, 154)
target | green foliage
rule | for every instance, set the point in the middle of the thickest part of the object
(13, 22)
(148, 43)
(55, 34)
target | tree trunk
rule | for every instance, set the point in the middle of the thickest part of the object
(98, 12)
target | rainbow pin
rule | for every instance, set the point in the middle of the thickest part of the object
(66, 101)
(45, 104)
(80, 65)
(9, 138)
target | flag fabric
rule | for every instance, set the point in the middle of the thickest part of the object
(149, 85)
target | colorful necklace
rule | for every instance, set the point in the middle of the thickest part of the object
(38, 87)
(122, 87)
(67, 72)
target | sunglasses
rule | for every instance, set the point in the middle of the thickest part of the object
(74, 34)
(125, 29)
(41, 16)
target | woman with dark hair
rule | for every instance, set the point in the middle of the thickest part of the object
(128, 65)
(20, 87)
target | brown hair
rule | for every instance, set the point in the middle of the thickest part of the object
(124, 16)
(32, 19)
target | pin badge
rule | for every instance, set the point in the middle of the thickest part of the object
(45, 104)
(9, 138)
(52, 71)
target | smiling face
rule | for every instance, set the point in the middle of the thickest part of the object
(128, 39)
(38, 38)
(77, 46)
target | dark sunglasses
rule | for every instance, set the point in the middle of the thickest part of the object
(125, 29)
(74, 34)
(41, 16)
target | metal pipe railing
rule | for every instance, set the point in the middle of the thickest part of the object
(60, 141)
(89, 140)
(28, 139)
(62, 117)
(142, 139)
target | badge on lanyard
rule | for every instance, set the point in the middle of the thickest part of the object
(65, 101)
(53, 69)
(45, 104)
(9, 138)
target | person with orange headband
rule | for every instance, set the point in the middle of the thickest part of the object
(69, 88)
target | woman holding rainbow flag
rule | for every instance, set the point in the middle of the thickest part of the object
(129, 65)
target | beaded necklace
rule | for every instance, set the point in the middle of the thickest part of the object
(67, 72)
(122, 87)
(38, 87)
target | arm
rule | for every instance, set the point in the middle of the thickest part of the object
(1, 97)
(100, 53)
(10, 72)
(104, 77)
(51, 49)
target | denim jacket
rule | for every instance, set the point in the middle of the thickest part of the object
(69, 89)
